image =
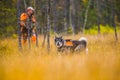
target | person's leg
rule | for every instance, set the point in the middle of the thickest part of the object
(33, 34)
(24, 35)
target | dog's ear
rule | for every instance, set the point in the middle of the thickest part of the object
(61, 37)
(55, 37)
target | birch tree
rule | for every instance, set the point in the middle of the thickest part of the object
(86, 15)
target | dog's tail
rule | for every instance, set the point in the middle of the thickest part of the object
(84, 43)
(83, 39)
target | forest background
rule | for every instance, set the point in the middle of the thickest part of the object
(66, 16)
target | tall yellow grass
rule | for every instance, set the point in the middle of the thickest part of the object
(101, 63)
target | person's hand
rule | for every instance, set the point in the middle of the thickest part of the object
(22, 24)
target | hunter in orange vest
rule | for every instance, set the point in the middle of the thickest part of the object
(23, 24)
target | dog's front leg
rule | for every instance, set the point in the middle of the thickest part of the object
(77, 48)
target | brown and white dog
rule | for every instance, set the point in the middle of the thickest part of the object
(71, 45)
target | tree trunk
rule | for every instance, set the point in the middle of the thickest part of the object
(48, 25)
(113, 19)
(108, 11)
(72, 16)
(66, 15)
(98, 13)
(19, 32)
(86, 15)
(44, 16)
(55, 16)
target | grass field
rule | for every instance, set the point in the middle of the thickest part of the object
(101, 63)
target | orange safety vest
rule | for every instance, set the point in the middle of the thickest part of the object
(68, 43)
(23, 17)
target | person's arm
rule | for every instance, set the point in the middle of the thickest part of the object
(33, 19)
(22, 23)
(33, 23)
(23, 19)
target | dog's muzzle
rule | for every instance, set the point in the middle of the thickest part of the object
(59, 44)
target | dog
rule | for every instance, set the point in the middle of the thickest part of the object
(70, 45)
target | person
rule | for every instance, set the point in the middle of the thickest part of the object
(24, 20)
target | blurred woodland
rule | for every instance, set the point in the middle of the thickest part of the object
(66, 16)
